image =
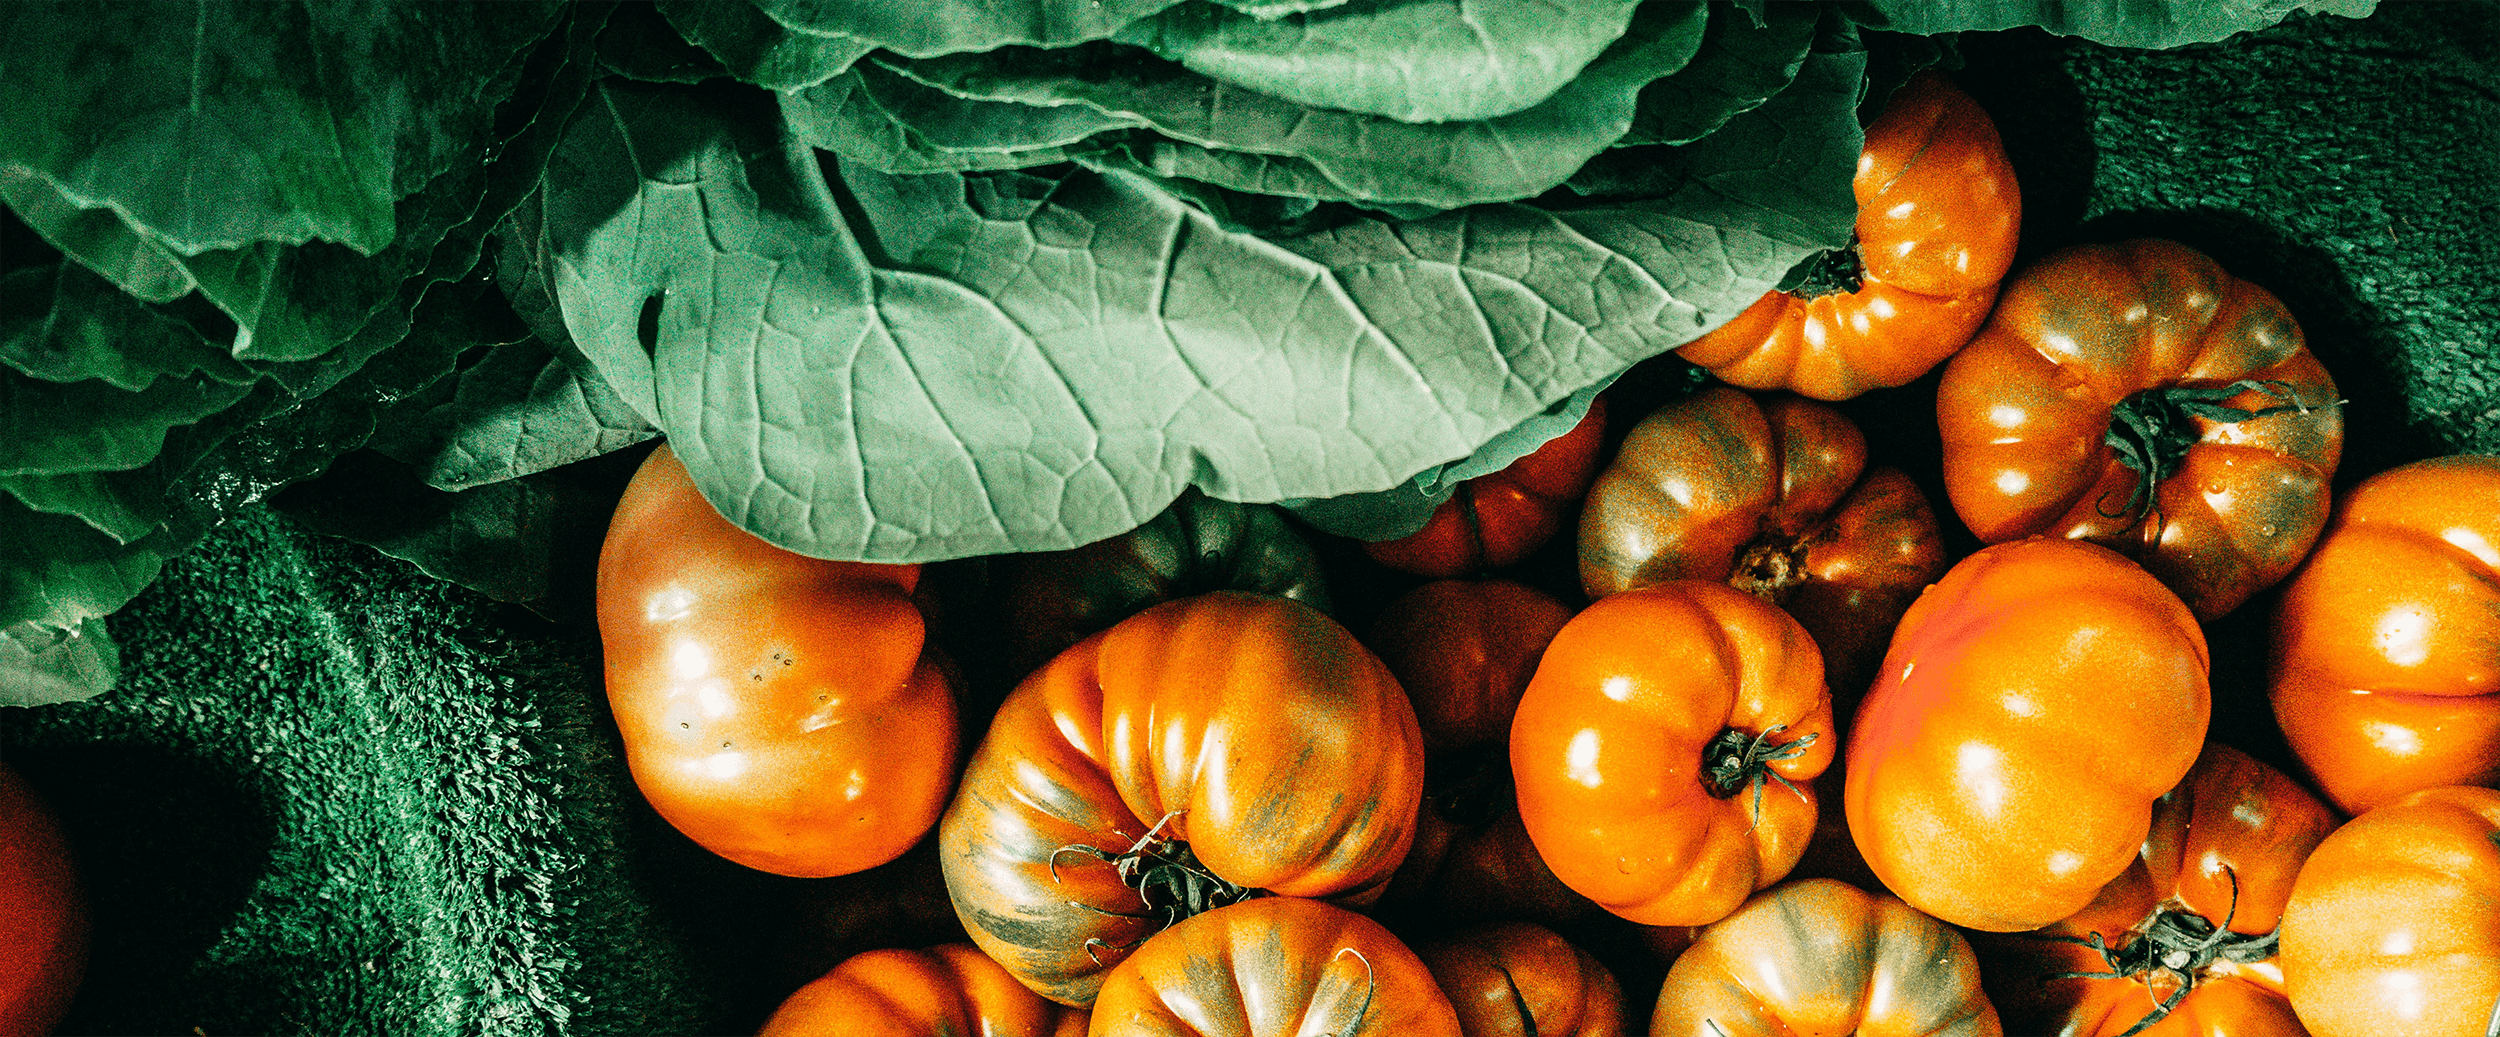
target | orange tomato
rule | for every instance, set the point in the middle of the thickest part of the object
(1514, 979)
(2137, 396)
(778, 709)
(2393, 928)
(1938, 215)
(1273, 965)
(947, 989)
(2383, 674)
(1821, 957)
(2036, 702)
(1666, 751)
(1502, 518)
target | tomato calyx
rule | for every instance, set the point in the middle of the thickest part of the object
(1768, 565)
(2179, 944)
(1735, 761)
(1166, 876)
(2151, 430)
(1833, 271)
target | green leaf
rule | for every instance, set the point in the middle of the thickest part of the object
(1741, 64)
(872, 115)
(1368, 157)
(94, 379)
(944, 366)
(57, 572)
(1412, 60)
(2152, 24)
(637, 43)
(519, 409)
(1272, 9)
(1403, 509)
(39, 667)
(96, 238)
(757, 49)
(930, 27)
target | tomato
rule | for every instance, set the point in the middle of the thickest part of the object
(1938, 215)
(1200, 544)
(1667, 748)
(43, 945)
(2036, 702)
(1464, 650)
(1273, 965)
(2393, 929)
(947, 989)
(777, 709)
(1819, 956)
(1772, 497)
(2383, 674)
(2186, 935)
(2137, 396)
(1514, 979)
(1500, 519)
(1197, 752)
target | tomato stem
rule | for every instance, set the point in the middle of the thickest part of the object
(1165, 874)
(1833, 271)
(1768, 565)
(2152, 430)
(2180, 944)
(1735, 761)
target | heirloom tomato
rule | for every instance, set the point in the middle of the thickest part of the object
(2182, 943)
(2137, 396)
(1464, 650)
(1822, 957)
(2036, 702)
(1514, 979)
(2393, 929)
(1198, 753)
(1773, 497)
(1666, 751)
(1938, 214)
(1273, 966)
(2383, 673)
(778, 709)
(43, 913)
(1499, 519)
(947, 989)
(1199, 544)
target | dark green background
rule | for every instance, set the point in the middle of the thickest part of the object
(333, 795)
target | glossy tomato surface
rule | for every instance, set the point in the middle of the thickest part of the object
(777, 709)
(1201, 749)
(1666, 751)
(43, 913)
(1938, 215)
(947, 989)
(2190, 925)
(2108, 369)
(1774, 497)
(1515, 979)
(2035, 704)
(2393, 928)
(1822, 957)
(2383, 673)
(1273, 966)
(1495, 520)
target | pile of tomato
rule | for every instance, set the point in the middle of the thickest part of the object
(1777, 756)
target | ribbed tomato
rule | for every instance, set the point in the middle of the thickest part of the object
(948, 989)
(1667, 749)
(2393, 928)
(2182, 943)
(2036, 702)
(2136, 395)
(1273, 966)
(778, 709)
(2383, 673)
(1821, 957)
(1200, 751)
(1499, 519)
(43, 913)
(1771, 496)
(1515, 979)
(1938, 215)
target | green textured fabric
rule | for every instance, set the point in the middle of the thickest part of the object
(336, 796)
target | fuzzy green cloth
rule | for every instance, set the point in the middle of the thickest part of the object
(336, 796)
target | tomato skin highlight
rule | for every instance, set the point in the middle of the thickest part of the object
(2382, 670)
(2393, 927)
(1611, 742)
(1500, 519)
(1982, 781)
(779, 710)
(1273, 965)
(43, 943)
(946, 989)
(1939, 213)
